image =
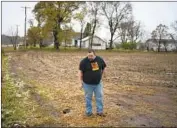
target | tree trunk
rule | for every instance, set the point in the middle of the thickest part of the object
(81, 37)
(166, 49)
(165, 46)
(15, 47)
(93, 32)
(56, 43)
(111, 41)
(34, 44)
(91, 42)
(15, 44)
(148, 47)
(159, 46)
(40, 43)
(65, 43)
(174, 41)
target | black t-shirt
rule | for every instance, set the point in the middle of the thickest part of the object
(92, 70)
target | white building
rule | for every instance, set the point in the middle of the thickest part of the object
(98, 43)
(171, 45)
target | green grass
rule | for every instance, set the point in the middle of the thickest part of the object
(11, 104)
(17, 107)
(17, 104)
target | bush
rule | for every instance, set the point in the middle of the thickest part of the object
(129, 45)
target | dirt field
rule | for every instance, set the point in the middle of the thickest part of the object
(140, 89)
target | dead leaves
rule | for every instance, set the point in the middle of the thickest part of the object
(55, 76)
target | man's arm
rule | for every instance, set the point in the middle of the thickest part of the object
(104, 72)
(80, 74)
(103, 68)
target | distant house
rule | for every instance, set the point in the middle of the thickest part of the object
(98, 43)
(141, 46)
(49, 41)
(76, 39)
(152, 44)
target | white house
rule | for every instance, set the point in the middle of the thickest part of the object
(152, 44)
(98, 43)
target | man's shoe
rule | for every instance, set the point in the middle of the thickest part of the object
(89, 114)
(101, 114)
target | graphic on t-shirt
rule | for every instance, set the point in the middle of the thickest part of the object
(95, 66)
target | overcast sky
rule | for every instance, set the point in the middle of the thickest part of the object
(149, 13)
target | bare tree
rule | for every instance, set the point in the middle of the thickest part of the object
(174, 26)
(123, 32)
(94, 10)
(80, 16)
(134, 30)
(13, 37)
(129, 30)
(154, 37)
(115, 13)
(160, 33)
(173, 36)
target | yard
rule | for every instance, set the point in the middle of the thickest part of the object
(140, 89)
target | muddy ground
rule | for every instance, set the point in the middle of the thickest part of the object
(140, 89)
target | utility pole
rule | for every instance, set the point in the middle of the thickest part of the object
(25, 24)
(16, 45)
(17, 29)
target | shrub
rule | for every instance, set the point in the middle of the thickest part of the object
(129, 45)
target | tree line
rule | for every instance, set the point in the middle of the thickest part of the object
(55, 19)
(162, 32)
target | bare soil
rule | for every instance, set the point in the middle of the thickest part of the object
(140, 89)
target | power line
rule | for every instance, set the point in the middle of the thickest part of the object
(25, 24)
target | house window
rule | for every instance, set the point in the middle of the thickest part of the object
(96, 44)
(75, 43)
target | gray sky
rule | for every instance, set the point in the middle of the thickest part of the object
(149, 13)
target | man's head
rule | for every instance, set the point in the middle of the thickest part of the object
(91, 54)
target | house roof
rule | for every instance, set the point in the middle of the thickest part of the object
(88, 37)
(163, 40)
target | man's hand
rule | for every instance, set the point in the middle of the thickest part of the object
(104, 73)
(81, 86)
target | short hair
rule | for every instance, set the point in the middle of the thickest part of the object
(91, 50)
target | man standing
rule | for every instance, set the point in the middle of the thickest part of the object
(91, 69)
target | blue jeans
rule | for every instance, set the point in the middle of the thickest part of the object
(98, 93)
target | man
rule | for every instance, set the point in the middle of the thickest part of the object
(91, 69)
